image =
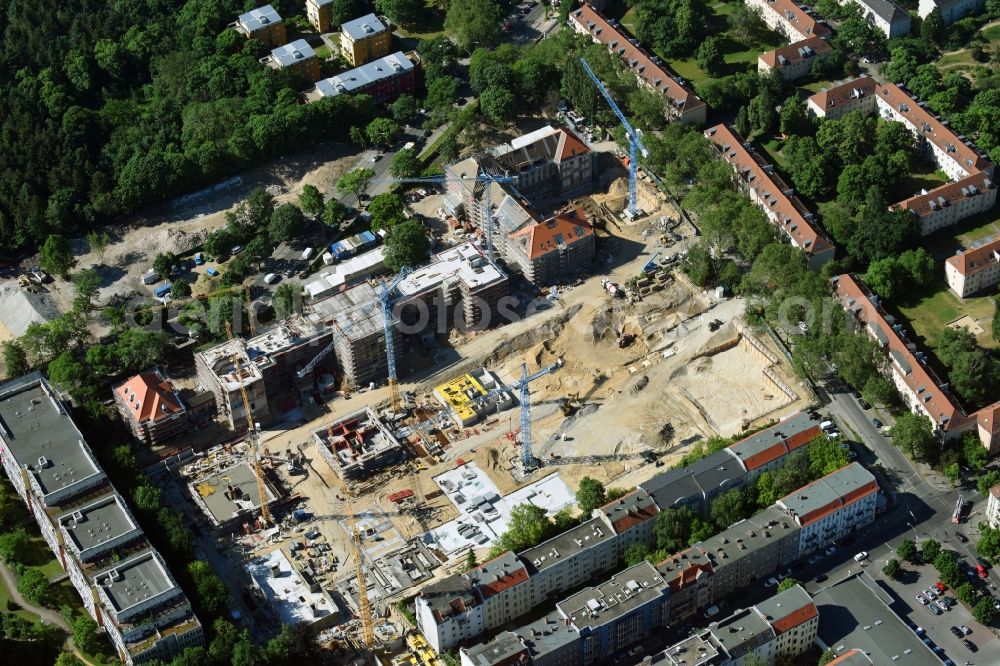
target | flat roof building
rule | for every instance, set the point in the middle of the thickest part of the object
(358, 444)
(364, 39)
(263, 24)
(464, 397)
(94, 529)
(296, 601)
(228, 495)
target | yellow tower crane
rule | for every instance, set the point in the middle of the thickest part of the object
(364, 606)
(258, 469)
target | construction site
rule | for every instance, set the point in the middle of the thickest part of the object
(614, 368)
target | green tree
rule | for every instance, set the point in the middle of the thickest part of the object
(67, 659)
(787, 584)
(386, 210)
(358, 136)
(382, 131)
(892, 568)
(287, 223)
(470, 560)
(15, 359)
(57, 256)
(85, 635)
(404, 109)
(995, 326)
(987, 481)
(635, 554)
(287, 300)
(213, 595)
(728, 508)
(742, 122)
(989, 543)
(886, 277)
(405, 245)
(334, 212)
(947, 568)
(795, 118)
(952, 472)
(528, 527)
(219, 311)
(984, 611)
(908, 551)
(826, 456)
(966, 592)
(310, 200)
(405, 164)
(69, 373)
(826, 658)
(976, 455)
(474, 23)
(913, 433)
(929, 550)
(34, 585)
(590, 494)
(404, 12)
(762, 114)
(98, 242)
(709, 57)
(355, 182)
(180, 289)
(163, 262)
(442, 91)
(15, 545)
(880, 391)
(673, 528)
(498, 104)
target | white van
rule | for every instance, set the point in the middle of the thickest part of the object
(150, 277)
(307, 254)
(827, 425)
(271, 278)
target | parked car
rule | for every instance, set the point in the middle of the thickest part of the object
(969, 645)
(941, 587)
(271, 278)
(876, 423)
(864, 404)
(863, 555)
(958, 632)
(236, 249)
(930, 593)
(198, 259)
(983, 563)
(820, 578)
(934, 609)
(981, 571)
(962, 537)
(815, 558)
(942, 605)
(784, 574)
(771, 582)
(211, 272)
(922, 599)
(965, 630)
(830, 550)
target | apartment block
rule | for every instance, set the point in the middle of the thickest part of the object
(886, 15)
(950, 10)
(263, 24)
(450, 612)
(150, 407)
(320, 14)
(385, 79)
(795, 60)
(558, 247)
(766, 189)
(922, 390)
(682, 104)
(504, 588)
(268, 363)
(123, 582)
(832, 507)
(781, 627)
(789, 19)
(690, 577)
(360, 351)
(765, 450)
(297, 57)
(365, 39)
(972, 190)
(993, 507)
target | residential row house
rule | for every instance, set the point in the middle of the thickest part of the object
(971, 271)
(972, 189)
(950, 10)
(385, 79)
(682, 104)
(920, 387)
(795, 60)
(263, 24)
(892, 20)
(790, 19)
(758, 179)
(151, 408)
(124, 583)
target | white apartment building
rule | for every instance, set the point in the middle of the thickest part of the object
(993, 507)
(832, 507)
(975, 269)
(951, 10)
(789, 19)
(795, 60)
(885, 15)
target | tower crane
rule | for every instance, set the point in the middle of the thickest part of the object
(338, 335)
(364, 605)
(634, 140)
(390, 345)
(252, 433)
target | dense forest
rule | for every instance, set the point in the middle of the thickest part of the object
(110, 105)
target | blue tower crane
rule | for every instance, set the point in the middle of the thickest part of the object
(635, 141)
(390, 345)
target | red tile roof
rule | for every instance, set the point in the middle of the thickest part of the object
(507, 581)
(798, 20)
(932, 129)
(850, 655)
(948, 194)
(838, 95)
(569, 146)
(784, 206)
(796, 52)
(796, 618)
(149, 397)
(549, 235)
(944, 411)
(976, 259)
(656, 75)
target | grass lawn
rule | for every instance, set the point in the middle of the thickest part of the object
(925, 176)
(323, 51)
(628, 19)
(930, 312)
(23, 614)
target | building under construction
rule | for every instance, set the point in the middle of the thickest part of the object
(358, 445)
(360, 350)
(268, 363)
(224, 486)
(465, 397)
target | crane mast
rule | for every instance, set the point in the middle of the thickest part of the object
(364, 605)
(265, 511)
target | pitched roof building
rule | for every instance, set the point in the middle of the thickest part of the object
(950, 10)
(150, 407)
(795, 60)
(758, 180)
(886, 15)
(562, 245)
(682, 104)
